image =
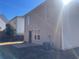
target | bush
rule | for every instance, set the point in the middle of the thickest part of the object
(9, 30)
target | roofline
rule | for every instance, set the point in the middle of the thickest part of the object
(15, 18)
(4, 18)
(28, 12)
(12, 19)
(35, 8)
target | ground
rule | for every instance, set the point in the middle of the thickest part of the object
(36, 52)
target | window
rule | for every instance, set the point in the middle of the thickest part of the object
(37, 37)
(37, 34)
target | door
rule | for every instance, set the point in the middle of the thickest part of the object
(30, 36)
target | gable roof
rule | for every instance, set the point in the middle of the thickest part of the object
(14, 18)
(4, 18)
(28, 11)
(42, 3)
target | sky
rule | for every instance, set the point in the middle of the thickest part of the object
(12, 8)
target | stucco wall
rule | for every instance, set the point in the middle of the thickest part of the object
(45, 19)
(58, 22)
(71, 27)
(20, 25)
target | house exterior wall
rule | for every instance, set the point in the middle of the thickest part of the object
(71, 27)
(54, 24)
(2, 24)
(43, 20)
(18, 24)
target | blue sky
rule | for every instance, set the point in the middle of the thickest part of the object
(12, 8)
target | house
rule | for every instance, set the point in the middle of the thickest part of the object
(51, 23)
(3, 22)
(41, 24)
(18, 24)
